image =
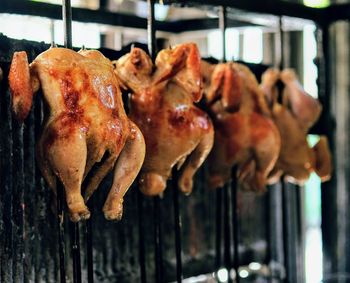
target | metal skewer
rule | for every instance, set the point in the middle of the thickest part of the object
(156, 201)
(74, 227)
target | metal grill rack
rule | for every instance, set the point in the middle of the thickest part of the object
(21, 180)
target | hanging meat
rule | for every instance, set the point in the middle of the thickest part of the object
(294, 113)
(85, 124)
(177, 133)
(245, 136)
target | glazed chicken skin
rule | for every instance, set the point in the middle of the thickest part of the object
(294, 116)
(177, 133)
(245, 136)
(85, 122)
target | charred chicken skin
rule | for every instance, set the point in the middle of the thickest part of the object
(85, 121)
(245, 136)
(294, 116)
(177, 133)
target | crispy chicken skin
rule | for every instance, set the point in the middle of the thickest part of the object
(177, 133)
(85, 121)
(294, 116)
(245, 136)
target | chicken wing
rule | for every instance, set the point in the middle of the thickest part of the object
(85, 124)
(161, 104)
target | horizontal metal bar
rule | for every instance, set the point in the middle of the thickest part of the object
(278, 8)
(54, 12)
(338, 12)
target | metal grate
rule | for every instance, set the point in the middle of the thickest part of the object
(34, 224)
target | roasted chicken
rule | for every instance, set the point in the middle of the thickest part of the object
(85, 124)
(294, 116)
(245, 136)
(177, 133)
(323, 159)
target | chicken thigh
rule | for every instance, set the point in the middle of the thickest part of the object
(245, 136)
(85, 124)
(177, 133)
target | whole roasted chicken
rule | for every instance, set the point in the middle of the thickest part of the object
(245, 136)
(294, 116)
(177, 133)
(85, 124)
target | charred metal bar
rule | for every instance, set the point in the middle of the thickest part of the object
(177, 226)
(6, 180)
(142, 259)
(235, 223)
(18, 202)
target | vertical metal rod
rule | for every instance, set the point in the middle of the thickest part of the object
(142, 259)
(151, 31)
(218, 229)
(89, 252)
(75, 246)
(222, 26)
(235, 224)
(226, 194)
(227, 228)
(67, 23)
(285, 228)
(60, 227)
(158, 240)
(75, 239)
(152, 48)
(283, 183)
(281, 43)
(177, 226)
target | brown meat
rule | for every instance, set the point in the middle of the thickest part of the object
(244, 134)
(175, 130)
(85, 121)
(304, 107)
(293, 117)
(323, 159)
